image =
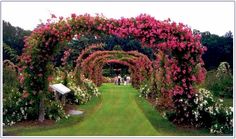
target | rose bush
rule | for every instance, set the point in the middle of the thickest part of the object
(145, 91)
(55, 111)
(203, 110)
(80, 94)
(14, 107)
(91, 88)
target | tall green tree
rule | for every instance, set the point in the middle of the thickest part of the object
(9, 53)
(219, 49)
(13, 39)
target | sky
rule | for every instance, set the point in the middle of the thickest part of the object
(216, 17)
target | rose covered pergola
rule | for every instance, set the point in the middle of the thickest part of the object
(139, 65)
(178, 65)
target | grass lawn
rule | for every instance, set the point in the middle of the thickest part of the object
(226, 101)
(118, 112)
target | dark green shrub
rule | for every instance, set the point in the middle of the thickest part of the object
(91, 88)
(203, 111)
(220, 83)
(14, 109)
(13, 106)
(54, 110)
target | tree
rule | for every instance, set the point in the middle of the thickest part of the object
(117, 47)
(9, 53)
(13, 38)
(228, 34)
(219, 49)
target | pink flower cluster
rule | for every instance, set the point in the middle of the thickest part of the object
(180, 49)
(65, 56)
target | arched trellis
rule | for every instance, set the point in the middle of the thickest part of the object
(86, 52)
(182, 49)
(140, 64)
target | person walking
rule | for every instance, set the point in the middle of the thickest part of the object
(116, 80)
(125, 80)
(119, 79)
(128, 79)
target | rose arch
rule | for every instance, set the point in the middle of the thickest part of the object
(139, 65)
(177, 49)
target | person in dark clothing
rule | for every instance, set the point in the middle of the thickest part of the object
(119, 79)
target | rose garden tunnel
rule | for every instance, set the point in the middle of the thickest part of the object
(139, 65)
(178, 66)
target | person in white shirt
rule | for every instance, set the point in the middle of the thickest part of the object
(116, 80)
(128, 79)
(125, 80)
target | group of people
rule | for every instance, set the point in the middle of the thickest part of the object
(119, 80)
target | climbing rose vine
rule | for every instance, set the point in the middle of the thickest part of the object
(181, 50)
(139, 64)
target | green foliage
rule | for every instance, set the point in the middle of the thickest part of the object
(91, 88)
(77, 95)
(61, 125)
(77, 46)
(145, 90)
(219, 48)
(117, 47)
(222, 120)
(54, 110)
(9, 78)
(14, 109)
(16, 105)
(220, 83)
(160, 122)
(110, 70)
(80, 94)
(203, 111)
(13, 37)
(58, 76)
(13, 106)
(9, 53)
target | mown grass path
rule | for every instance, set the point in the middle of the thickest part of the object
(119, 112)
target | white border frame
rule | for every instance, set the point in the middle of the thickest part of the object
(1, 72)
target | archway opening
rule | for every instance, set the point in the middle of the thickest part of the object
(113, 69)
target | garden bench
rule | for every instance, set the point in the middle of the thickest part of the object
(62, 90)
